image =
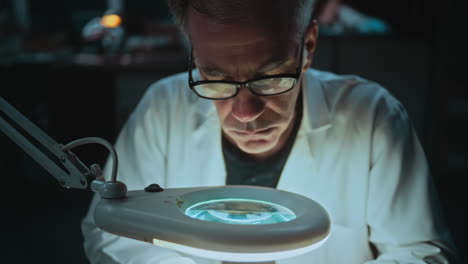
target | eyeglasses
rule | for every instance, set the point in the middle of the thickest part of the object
(263, 86)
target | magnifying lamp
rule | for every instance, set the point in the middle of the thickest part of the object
(229, 223)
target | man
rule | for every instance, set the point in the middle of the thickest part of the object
(258, 115)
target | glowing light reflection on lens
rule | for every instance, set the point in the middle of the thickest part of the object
(240, 211)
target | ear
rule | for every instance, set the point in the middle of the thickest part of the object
(310, 43)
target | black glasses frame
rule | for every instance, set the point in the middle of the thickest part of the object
(238, 85)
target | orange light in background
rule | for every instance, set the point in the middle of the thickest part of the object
(111, 21)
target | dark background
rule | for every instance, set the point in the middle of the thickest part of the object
(71, 90)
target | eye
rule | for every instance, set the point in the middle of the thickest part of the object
(215, 90)
(286, 82)
(273, 85)
(264, 82)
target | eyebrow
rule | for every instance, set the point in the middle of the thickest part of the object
(212, 71)
(274, 65)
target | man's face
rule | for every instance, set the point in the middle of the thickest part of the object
(258, 125)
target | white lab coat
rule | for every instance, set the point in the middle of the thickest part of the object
(355, 153)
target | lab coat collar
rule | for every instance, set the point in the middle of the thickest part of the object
(316, 115)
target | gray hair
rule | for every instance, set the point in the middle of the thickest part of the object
(229, 11)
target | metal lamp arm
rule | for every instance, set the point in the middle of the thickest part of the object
(58, 159)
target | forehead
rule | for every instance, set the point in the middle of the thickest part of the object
(260, 39)
(266, 22)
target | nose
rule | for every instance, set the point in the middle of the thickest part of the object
(247, 106)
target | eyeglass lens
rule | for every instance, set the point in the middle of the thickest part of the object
(268, 86)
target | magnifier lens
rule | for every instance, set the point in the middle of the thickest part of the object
(240, 211)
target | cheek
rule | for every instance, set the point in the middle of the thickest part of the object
(223, 108)
(284, 104)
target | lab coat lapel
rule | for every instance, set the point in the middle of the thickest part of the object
(299, 167)
(208, 149)
(302, 166)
